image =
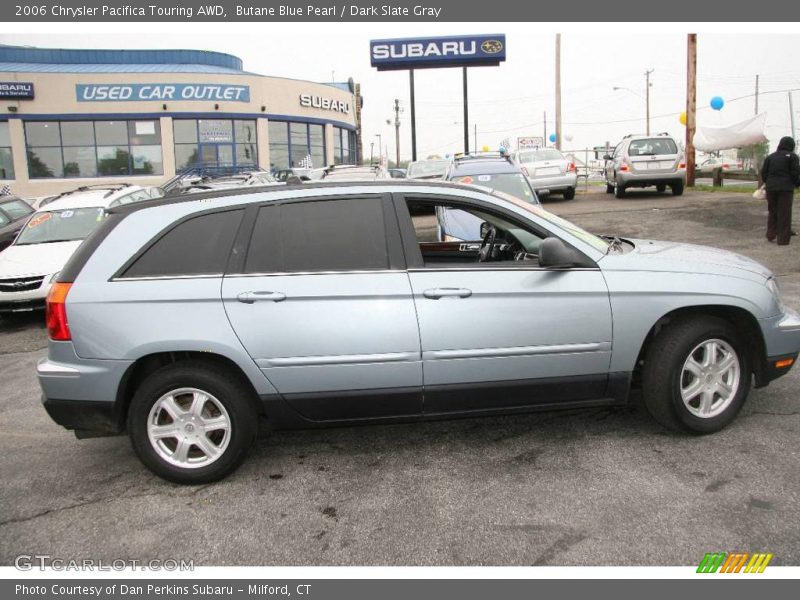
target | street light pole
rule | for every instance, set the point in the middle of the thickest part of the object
(647, 96)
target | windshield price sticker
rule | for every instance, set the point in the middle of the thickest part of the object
(34, 222)
(66, 214)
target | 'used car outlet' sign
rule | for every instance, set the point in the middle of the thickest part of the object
(311, 101)
(144, 92)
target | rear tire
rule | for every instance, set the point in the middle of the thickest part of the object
(609, 188)
(569, 193)
(677, 188)
(680, 391)
(192, 422)
(619, 190)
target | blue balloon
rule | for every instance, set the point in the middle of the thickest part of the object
(553, 137)
(717, 103)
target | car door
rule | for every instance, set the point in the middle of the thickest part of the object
(323, 305)
(505, 334)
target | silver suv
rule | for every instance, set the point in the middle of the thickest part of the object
(643, 161)
(184, 320)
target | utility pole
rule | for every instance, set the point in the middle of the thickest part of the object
(475, 139)
(691, 104)
(791, 116)
(397, 132)
(647, 96)
(756, 94)
(558, 91)
(371, 152)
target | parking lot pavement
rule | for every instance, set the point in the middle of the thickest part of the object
(602, 486)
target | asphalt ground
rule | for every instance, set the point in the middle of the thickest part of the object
(588, 487)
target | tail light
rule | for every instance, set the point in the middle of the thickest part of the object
(56, 311)
(682, 165)
(725, 166)
(572, 168)
(624, 167)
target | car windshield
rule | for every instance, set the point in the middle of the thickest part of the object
(652, 146)
(16, 208)
(60, 225)
(514, 184)
(539, 155)
(427, 168)
(595, 241)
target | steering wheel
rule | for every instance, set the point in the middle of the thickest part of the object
(487, 245)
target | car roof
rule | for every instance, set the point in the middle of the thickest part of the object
(100, 198)
(273, 192)
(483, 166)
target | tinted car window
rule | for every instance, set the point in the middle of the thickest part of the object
(510, 183)
(199, 246)
(329, 235)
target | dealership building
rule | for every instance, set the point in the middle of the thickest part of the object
(82, 117)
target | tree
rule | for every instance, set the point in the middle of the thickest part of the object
(754, 154)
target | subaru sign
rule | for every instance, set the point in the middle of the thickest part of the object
(451, 51)
(160, 92)
(16, 90)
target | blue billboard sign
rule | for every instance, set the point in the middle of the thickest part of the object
(161, 92)
(16, 90)
(450, 51)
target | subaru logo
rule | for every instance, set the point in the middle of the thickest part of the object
(492, 46)
(19, 284)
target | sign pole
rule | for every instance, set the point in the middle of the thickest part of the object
(466, 113)
(413, 116)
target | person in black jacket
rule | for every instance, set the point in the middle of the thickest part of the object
(781, 174)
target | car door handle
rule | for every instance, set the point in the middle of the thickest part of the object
(436, 293)
(251, 297)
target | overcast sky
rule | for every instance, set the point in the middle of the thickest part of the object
(510, 100)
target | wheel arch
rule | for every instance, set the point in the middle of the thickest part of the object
(148, 364)
(744, 322)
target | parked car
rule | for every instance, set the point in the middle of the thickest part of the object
(13, 214)
(397, 173)
(48, 239)
(643, 161)
(427, 169)
(182, 321)
(494, 171)
(121, 193)
(355, 173)
(550, 171)
(205, 183)
(726, 164)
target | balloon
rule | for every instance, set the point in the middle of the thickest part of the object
(682, 118)
(485, 149)
(553, 137)
(568, 137)
(717, 103)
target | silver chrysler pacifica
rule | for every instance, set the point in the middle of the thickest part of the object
(186, 321)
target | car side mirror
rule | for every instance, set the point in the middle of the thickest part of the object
(555, 254)
(607, 157)
(484, 229)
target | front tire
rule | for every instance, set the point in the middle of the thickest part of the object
(609, 188)
(619, 190)
(569, 193)
(192, 422)
(661, 188)
(696, 375)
